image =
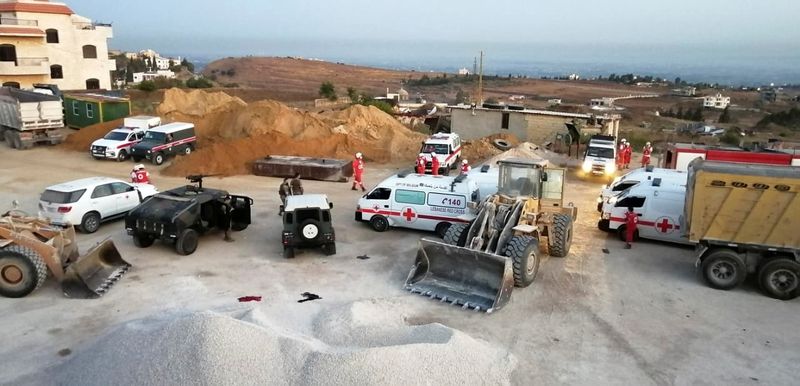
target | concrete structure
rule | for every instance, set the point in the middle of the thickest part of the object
(769, 95)
(139, 77)
(537, 126)
(716, 101)
(687, 91)
(45, 42)
(602, 102)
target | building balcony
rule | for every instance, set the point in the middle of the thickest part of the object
(19, 22)
(26, 66)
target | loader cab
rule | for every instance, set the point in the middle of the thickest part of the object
(521, 177)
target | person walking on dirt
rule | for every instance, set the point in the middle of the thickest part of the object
(226, 209)
(296, 185)
(646, 152)
(358, 172)
(434, 165)
(465, 168)
(621, 154)
(139, 175)
(421, 164)
(283, 191)
(631, 219)
(628, 153)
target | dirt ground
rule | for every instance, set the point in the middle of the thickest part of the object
(639, 316)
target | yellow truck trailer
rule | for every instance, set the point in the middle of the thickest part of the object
(745, 219)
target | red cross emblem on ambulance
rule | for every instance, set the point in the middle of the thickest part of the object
(408, 214)
(665, 225)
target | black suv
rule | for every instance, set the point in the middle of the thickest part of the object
(182, 214)
(165, 141)
(307, 223)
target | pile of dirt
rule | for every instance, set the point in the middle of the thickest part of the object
(82, 139)
(214, 349)
(478, 150)
(196, 103)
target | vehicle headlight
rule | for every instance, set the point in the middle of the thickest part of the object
(600, 199)
(612, 200)
(148, 152)
(606, 216)
(587, 166)
(611, 168)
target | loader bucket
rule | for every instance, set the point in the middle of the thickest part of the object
(95, 272)
(461, 276)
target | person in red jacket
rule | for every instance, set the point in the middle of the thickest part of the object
(628, 153)
(631, 219)
(646, 151)
(621, 154)
(421, 164)
(434, 165)
(358, 172)
(465, 168)
(139, 175)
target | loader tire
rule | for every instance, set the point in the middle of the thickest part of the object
(780, 279)
(456, 235)
(187, 242)
(22, 271)
(522, 251)
(561, 235)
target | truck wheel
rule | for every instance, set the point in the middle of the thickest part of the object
(561, 233)
(122, 156)
(90, 222)
(379, 223)
(22, 271)
(329, 249)
(158, 158)
(456, 234)
(143, 241)
(187, 150)
(288, 252)
(309, 230)
(238, 226)
(780, 279)
(603, 225)
(187, 242)
(522, 251)
(441, 228)
(724, 269)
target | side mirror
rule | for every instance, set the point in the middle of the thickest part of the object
(131, 188)
(330, 204)
(544, 176)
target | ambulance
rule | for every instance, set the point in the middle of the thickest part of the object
(659, 206)
(447, 147)
(637, 176)
(418, 201)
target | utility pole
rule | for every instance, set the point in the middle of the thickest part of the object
(479, 96)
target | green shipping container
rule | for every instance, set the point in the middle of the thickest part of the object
(81, 110)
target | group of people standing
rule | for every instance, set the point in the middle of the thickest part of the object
(290, 187)
(625, 150)
(435, 165)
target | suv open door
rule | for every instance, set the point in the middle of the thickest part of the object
(240, 215)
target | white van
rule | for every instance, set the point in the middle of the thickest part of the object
(660, 210)
(447, 147)
(417, 201)
(636, 176)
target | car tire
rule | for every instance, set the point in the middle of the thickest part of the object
(329, 249)
(22, 271)
(456, 234)
(143, 241)
(122, 156)
(780, 279)
(158, 158)
(187, 150)
(501, 144)
(310, 230)
(187, 242)
(723, 269)
(90, 222)
(379, 223)
(603, 225)
(561, 232)
(288, 252)
(238, 226)
(441, 228)
(522, 251)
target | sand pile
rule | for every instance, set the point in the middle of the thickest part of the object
(214, 349)
(196, 103)
(82, 139)
(478, 150)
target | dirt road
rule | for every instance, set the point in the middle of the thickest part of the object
(637, 316)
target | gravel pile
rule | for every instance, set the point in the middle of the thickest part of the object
(358, 344)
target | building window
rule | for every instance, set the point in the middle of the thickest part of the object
(92, 84)
(89, 110)
(56, 72)
(8, 53)
(89, 52)
(11, 84)
(75, 110)
(504, 124)
(52, 35)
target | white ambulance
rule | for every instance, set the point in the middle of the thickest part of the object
(447, 147)
(417, 201)
(635, 177)
(659, 206)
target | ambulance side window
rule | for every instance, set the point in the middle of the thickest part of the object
(409, 197)
(635, 202)
(380, 194)
(624, 185)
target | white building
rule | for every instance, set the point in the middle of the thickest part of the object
(155, 61)
(463, 71)
(139, 77)
(574, 77)
(717, 101)
(46, 42)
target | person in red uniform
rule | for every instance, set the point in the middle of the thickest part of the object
(646, 151)
(421, 164)
(631, 219)
(358, 172)
(434, 165)
(628, 153)
(139, 175)
(621, 154)
(465, 168)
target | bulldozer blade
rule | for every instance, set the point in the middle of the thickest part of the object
(93, 274)
(461, 276)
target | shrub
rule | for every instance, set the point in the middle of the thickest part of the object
(147, 86)
(328, 90)
(198, 83)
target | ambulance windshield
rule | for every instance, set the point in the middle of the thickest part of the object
(435, 148)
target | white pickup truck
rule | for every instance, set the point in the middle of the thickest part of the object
(28, 118)
(118, 142)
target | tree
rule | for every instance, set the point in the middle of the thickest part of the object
(725, 117)
(678, 81)
(189, 66)
(352, 93)
(147, 86)
(328, 91)
(461, 96)
(697, 116)
(199, 82)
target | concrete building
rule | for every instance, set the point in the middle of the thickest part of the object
(716, 101)
(139, 77)
(602, 102)
(537, 126)
(46, 42)
(687, 91)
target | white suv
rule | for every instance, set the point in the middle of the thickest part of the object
(89, 201)
(117, 143)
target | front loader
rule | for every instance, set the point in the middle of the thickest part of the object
(30, 247)
(476, 265)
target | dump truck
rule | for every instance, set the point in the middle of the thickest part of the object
(745, 219)
(477, 265)
(28, 118)
(31, 247)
